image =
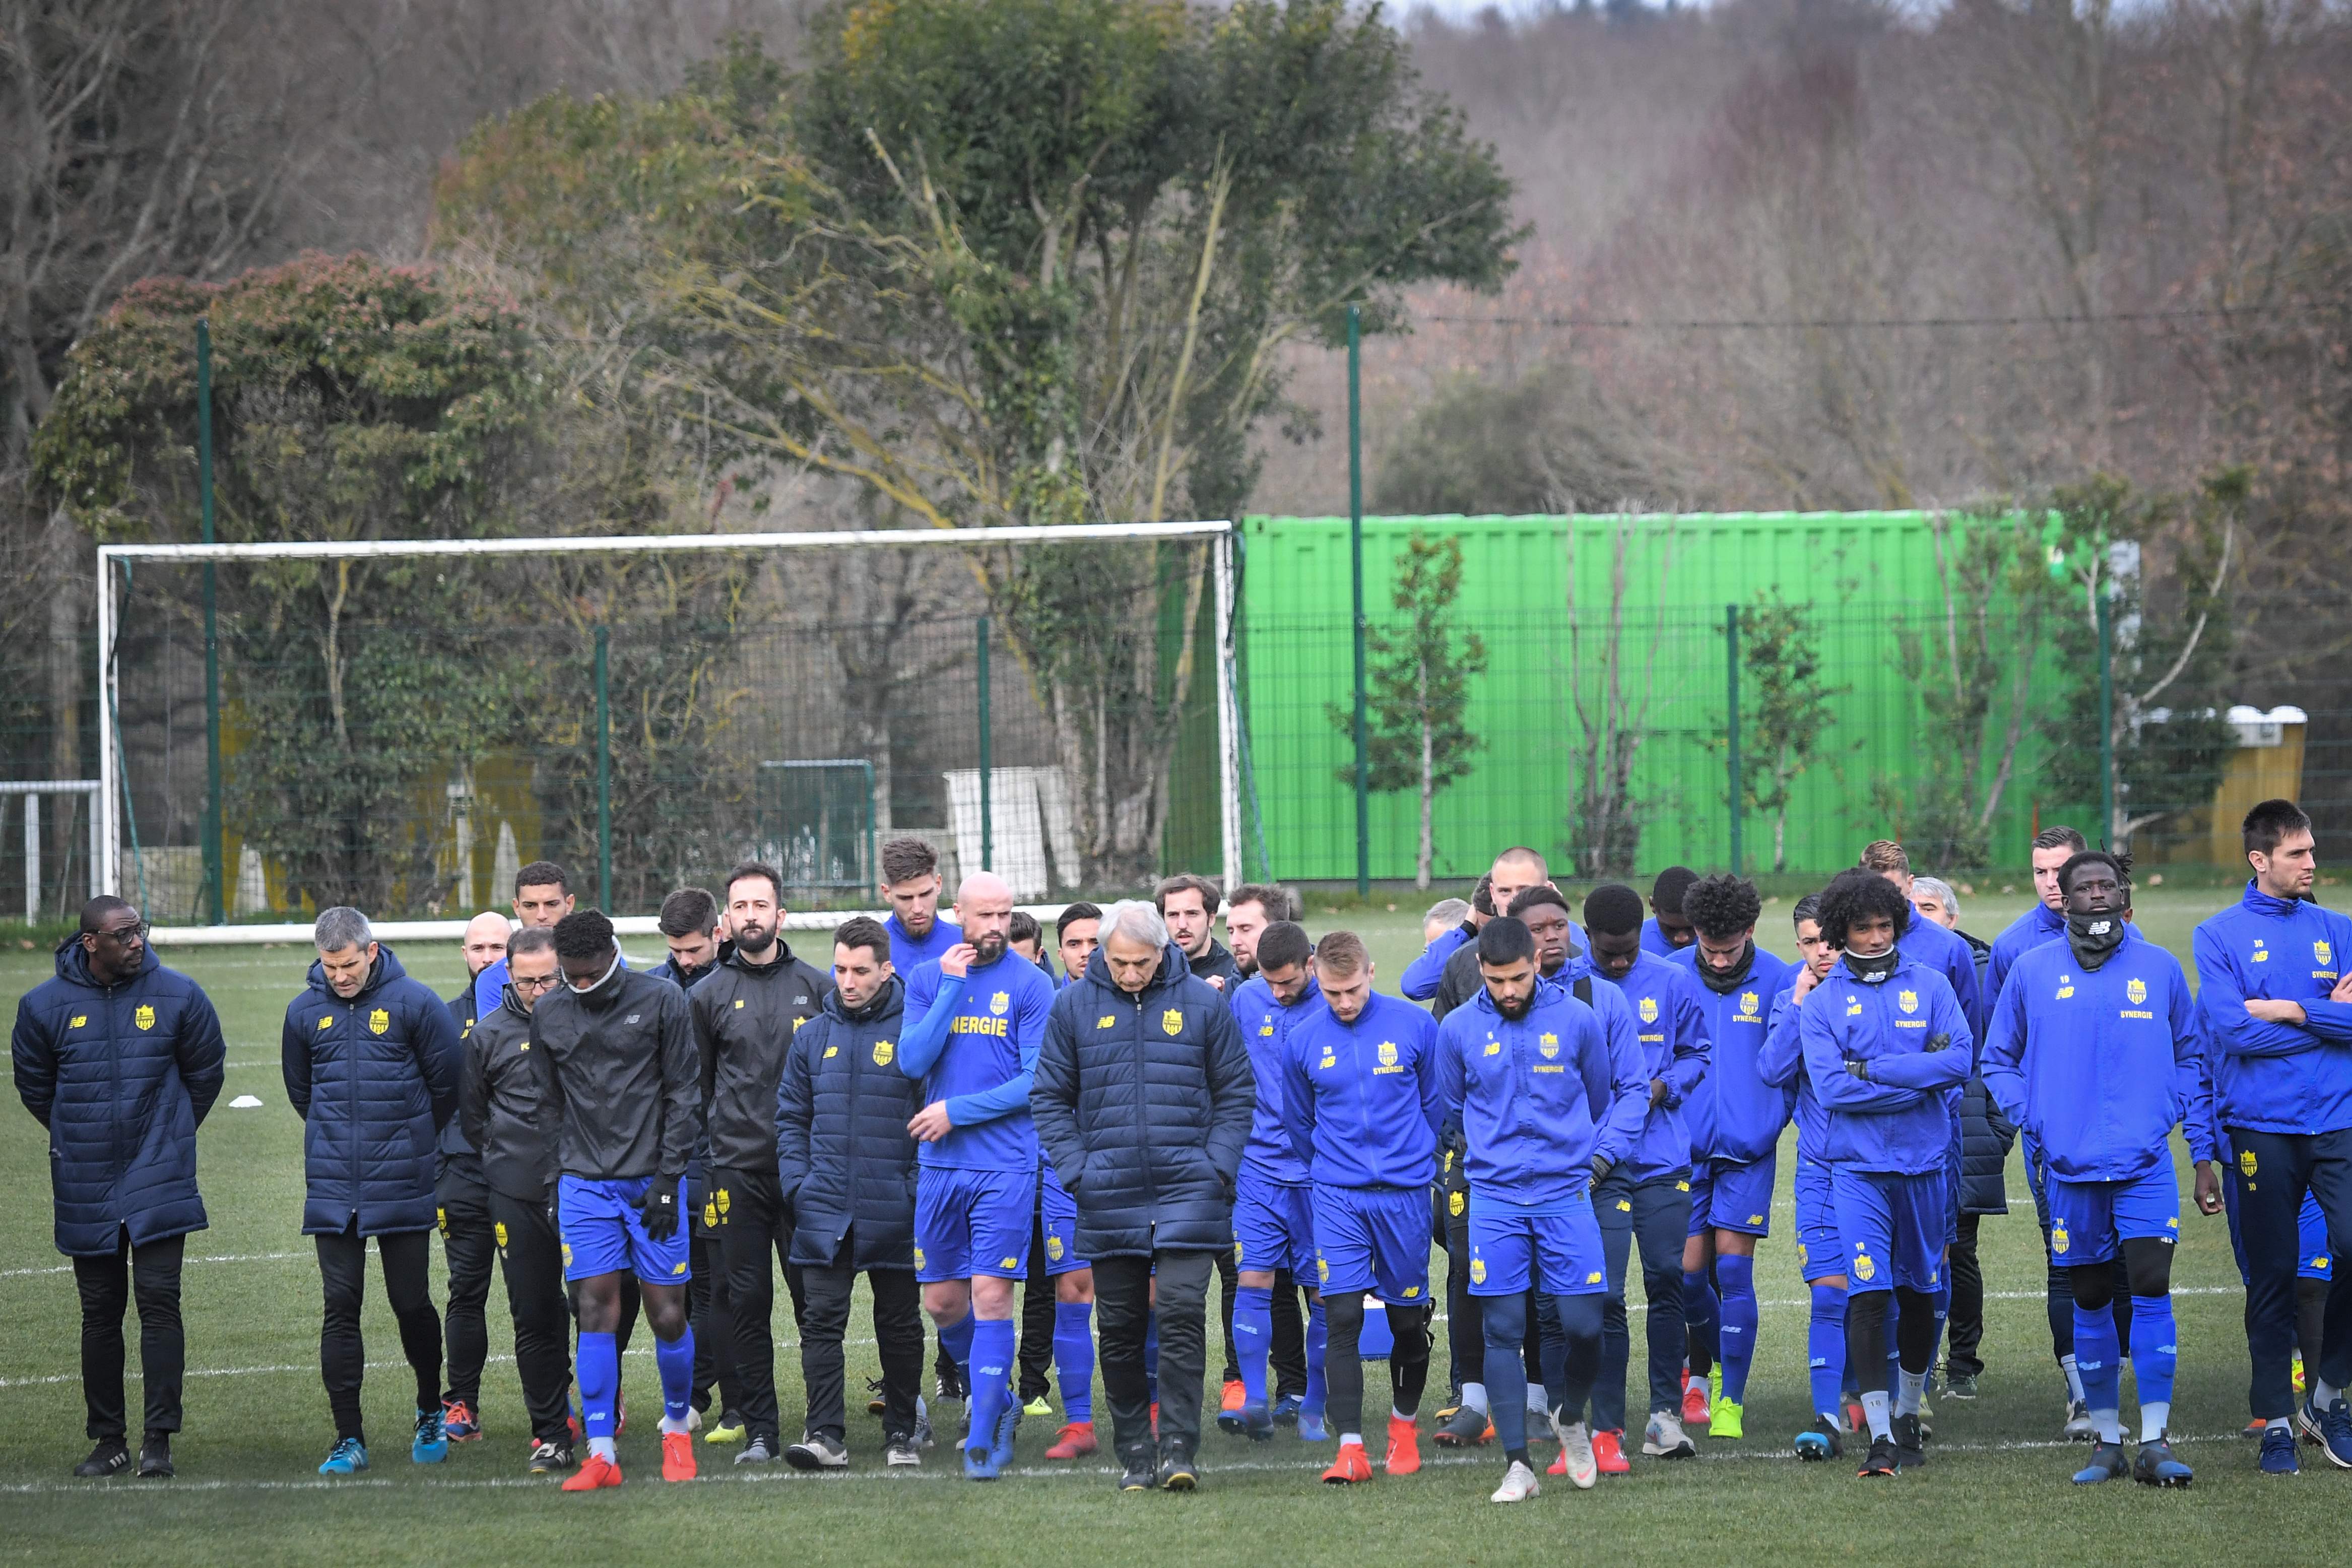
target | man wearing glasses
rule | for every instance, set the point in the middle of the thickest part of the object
(120, 1058)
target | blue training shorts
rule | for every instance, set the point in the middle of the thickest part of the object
(1740, 1195)
(2089, 1221)
(2312, 1260)
(1819, 1255)
(1700, 1185)
(972, 1222)
(1273, 1226)
(1890, 1228)
(1058, 1216)
(1509, 1252)
(603, 1232)
(1373, 1238)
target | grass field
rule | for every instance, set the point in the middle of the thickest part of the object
(258, 1424)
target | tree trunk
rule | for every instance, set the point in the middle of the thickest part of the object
(65, 694)
(1428, 791)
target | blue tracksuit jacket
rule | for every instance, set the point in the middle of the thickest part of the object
(1539, 1098)
(1266, 1027)
(2028, 931)
(1360, 1099)
(1745, 1114)
(1947, 953)
(1900, 1122)
(2276, 1078)
(1671, 1028)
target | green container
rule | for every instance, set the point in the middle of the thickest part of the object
(1547, 689)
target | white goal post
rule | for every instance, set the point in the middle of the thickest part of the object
(108, 827)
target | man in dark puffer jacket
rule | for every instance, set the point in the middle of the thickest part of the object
(120, 1058)
(1143, 1096)
(845, 1164)
(372, 1061)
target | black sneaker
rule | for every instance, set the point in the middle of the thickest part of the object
(155, 1456)
(946, 1380)
(1137, 1474)
(875, 1403)
(1821, 1441)
(111, 1457)
(1177, 1471)
(1960, 1384)
(549, 1455)
(1910, 1442)
(1880, 1461)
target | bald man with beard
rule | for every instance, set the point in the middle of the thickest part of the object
(461, 1197)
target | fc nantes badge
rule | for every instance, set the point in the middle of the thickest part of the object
(1548, 1045)
(2137, 991)
(379, 1021)
(144, 1017)
(1649, 1009)
(1387, 1053)
(1000, 1001)
(1172, 1021)
(883, 1051)
(1908, 1001)
(1749, 1001)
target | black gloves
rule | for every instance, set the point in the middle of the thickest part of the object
(1939, 1042)
(1601, 1169)
(1858, 1067)
(658, 1208)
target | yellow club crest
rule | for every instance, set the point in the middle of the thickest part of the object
(724, 1198)
(1000, 1001)
(1173, 1020)
(1908, 1001)
(1387, 1053)
(919, 1257)
(2322, 952)
(1649, 1009)
(379, 1021)
(2246, 1164)
(567, 1255)
(1863, 1269)
(1323, 1271)
(883, 1051)
(710, 1214)
(498, 1229)
(146, 1016)
(1548, 1045)
(1456, 1202)
(2058, 1240)
(1477, 1272)
(2137, 991)
(1054, 1250)
(1748, 1003)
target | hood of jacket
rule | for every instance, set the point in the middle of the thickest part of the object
(891, 998)
(73, 964)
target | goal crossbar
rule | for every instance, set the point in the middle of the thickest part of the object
(1220, 532)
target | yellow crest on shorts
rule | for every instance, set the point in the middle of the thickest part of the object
(144, 1017)
(1908, 1001)
(379, 1021)
(1387, 1053)
(2246, 1164)
(2137, 991)
(1649, 1009)
(919, 1257)
(883, 1051)
(1172, 1021)
(1477, 1272)
(1323, 1269)
(1455, 1203)
(1863, 1269)
(1000, 1001)
(1054, 1250)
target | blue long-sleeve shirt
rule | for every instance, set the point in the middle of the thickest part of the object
(1654, 940)
(1423, 975)
(1360, 1099)
(2276, 1078)
(1670, 1027)
(1781, 1063)
(909, 953)
(973, 1042)
(1900, 1120)
(1948, 954)
(1539, 1098)
(1745, 1112)
(1265, 1026)
(2099, 1065)
(2029, 931)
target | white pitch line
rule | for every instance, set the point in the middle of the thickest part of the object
(216, 1258)
(1307, 1463)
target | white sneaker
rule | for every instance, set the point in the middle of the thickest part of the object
(1665, 1439)
(1576, 1448)
(1519, 1484)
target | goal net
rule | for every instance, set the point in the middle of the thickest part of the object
(405, 723)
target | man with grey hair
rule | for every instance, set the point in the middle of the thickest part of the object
(1157, 1060)
(371, 1064)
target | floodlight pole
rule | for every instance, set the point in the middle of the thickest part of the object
(215, 856)
(987, 821)
(1356, 561)
(1731, 721)
(2106, 722)
(604, 775)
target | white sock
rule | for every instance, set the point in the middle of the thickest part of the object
(2110, 1425)
(1911, 1387)
(670, 1424)
(1473, 1394)
(2324, 1393)
(922, 1411)
(1536, 1405)
(2073, 1380)
(2153, 1419)
(602, 1447)
(1396, 1414)
(1873, 1408)
(1348, 1437)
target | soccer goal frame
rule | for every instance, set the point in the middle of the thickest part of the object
(1221, 534)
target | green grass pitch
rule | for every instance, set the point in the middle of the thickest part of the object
(258, 1424)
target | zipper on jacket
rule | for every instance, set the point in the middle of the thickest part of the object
(1143, 1115)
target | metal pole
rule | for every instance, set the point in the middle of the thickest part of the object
(2106, 722)
(1731, 720)
(1355, 560)
(32, 856)
(604, 775)
(987, 822)
(1229, 806)
(110, 832)
(216, 859)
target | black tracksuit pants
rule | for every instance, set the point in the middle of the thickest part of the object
(897, 1332)
(148, 1275)
(407, 1262)
(755, 1230)
(530, 1255)
(469, 1243)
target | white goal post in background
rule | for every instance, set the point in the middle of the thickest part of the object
(107, 827)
